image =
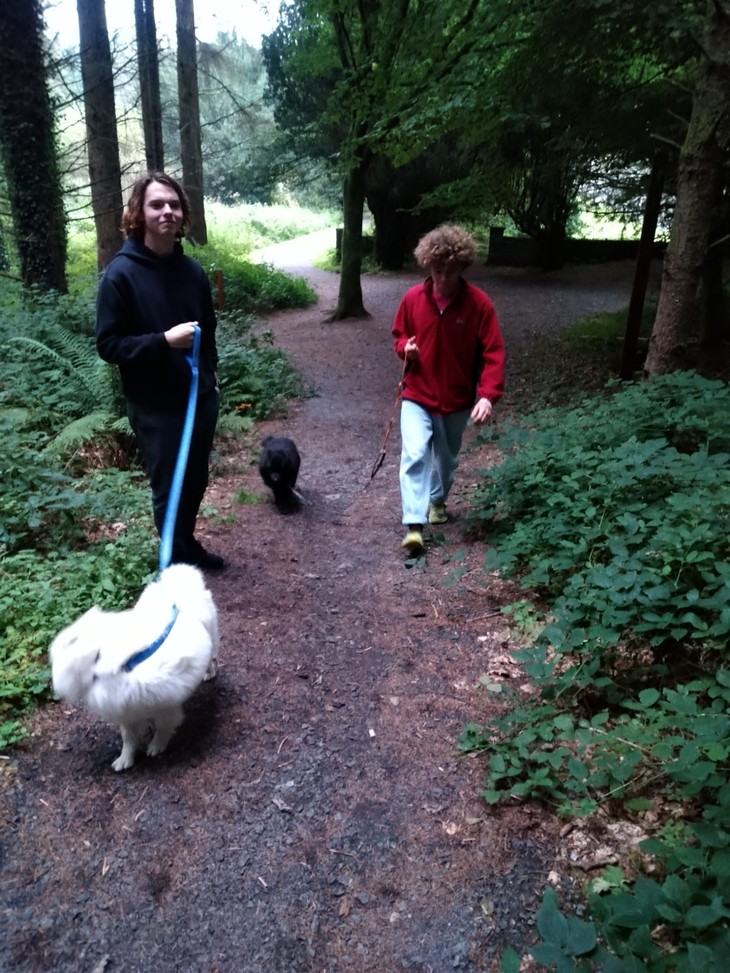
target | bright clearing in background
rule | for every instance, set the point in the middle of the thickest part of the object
(248, 18)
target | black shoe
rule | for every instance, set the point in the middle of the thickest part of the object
(197, 555)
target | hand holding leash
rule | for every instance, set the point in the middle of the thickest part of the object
(182, 335)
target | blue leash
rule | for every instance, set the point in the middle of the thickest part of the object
(168, 528)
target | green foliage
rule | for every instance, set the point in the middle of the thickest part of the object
(675, 924)
(618, 510)
(255, 376)
(250, 499)
(674, 742)
(615, 515)
(52, 377)
(81, 264)
(45, 507)
(43, 590)
(40, 500)
(352, 81)
(251, 288)
(246, 227)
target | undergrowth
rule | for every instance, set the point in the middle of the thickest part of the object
(614, 515)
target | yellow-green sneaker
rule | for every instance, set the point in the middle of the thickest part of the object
(413, 541)
(437, 513)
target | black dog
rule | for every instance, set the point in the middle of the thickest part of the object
(279, 468)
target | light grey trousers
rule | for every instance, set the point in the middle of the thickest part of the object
(429, 458)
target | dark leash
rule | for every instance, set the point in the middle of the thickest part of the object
(398, 395)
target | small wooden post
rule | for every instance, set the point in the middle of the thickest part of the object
(643, 263)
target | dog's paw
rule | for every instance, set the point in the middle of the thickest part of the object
(212, 671)
(156, 747)
(123, 762)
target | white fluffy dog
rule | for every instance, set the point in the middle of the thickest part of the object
(139, 666)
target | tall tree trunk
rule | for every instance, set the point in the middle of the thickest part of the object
(191, 153)
(349, 299)
(28, 146)
(677, 327)
(149, 83)
(101, 128)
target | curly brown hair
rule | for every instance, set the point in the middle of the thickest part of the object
(133, 218)
(447, 246)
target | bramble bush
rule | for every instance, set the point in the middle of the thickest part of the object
(615, 516)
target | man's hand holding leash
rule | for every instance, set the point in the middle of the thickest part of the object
(181, 336)
(411, 350)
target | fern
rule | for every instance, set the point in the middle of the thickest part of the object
(90, 386)
(92, 382)
(85, 429)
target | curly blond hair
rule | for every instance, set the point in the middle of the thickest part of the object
(445, 247)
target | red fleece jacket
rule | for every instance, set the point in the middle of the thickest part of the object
(461, 352)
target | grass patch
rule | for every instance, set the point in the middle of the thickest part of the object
(247, 498)
(248, 227)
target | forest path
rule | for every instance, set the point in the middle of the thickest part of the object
(312, 814)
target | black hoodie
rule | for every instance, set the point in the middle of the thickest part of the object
(141, 296)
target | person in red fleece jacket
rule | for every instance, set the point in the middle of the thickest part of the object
(447, 332)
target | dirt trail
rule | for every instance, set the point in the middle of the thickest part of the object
(312, 814)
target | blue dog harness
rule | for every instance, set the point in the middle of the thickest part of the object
(133, 661)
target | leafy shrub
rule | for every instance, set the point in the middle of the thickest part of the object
(255, 376)
(674, 742)
(100, 553)
(677, 923)
(41, 501)
(50, 370)
(615, 516)
(250, 287)
(618, 511)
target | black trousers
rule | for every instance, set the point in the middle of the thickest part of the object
(158, 436)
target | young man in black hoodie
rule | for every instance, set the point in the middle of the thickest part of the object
(150, 299)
